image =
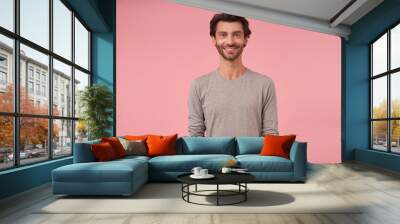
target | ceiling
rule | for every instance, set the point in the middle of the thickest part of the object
(326, 16)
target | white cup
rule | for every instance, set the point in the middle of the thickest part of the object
(226, 170)
(203, 172)
(196, 171)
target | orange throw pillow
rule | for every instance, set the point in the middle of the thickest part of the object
(103, 152)
(135, 137)
(116, 145)
(161, 145)
(277, 145)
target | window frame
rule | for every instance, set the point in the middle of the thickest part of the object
(16, 115)
(388, 74)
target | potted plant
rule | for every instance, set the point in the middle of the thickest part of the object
(96, 102)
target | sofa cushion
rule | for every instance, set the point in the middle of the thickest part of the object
(111, 171)
(257, 163)
(134, 147)
(116, 145)
(277, 145)
(185, 163)
(132, 158)
(103, 152)
(206, 145)
(159, 145)
(249, 145)
(135, 137)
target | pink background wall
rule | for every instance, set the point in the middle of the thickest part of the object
(163, 46)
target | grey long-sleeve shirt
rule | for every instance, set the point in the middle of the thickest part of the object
(245, 106)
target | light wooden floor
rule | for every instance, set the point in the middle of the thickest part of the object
(378, 188)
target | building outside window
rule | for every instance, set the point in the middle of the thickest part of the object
(37, 75)
(38, 89)
(44, 77)
(30, 87)
(3, 60)
(43, 90)
(30, 72)
(3, 78)
(3, 72)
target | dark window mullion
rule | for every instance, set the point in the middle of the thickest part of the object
(73, 82)
(50, 87)
(389, 114)
(371, 137)
(89, 54)
(16, 84)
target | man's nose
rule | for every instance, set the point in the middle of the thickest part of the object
(229, 40)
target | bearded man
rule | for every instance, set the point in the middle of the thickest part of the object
(232, 100)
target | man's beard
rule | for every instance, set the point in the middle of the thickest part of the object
(230, 57)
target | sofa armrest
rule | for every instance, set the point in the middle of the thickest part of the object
(83, 152)
(298, 155)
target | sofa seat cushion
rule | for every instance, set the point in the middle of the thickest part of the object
(257, 163)
(133, 158)
(111, 171)
(185, 163)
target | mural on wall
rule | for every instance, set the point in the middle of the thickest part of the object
(163, 47)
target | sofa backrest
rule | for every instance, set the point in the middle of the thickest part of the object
(206, 145)
(249, 145)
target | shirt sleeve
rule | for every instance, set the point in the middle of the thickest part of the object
(270, 114)
(196, 116)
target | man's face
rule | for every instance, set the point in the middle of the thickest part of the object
(229, 40)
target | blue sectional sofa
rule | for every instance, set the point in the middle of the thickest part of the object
(125, 176)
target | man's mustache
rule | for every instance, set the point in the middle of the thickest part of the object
(235, 46)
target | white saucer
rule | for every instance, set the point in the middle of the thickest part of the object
(208, 176)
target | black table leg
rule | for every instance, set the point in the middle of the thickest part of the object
(182, 189)
(196, 188)
(188, 190)
(245, 193)
(217, 194)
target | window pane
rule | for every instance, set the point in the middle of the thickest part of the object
(62, 29)
(81, 131)
(81, 45)
(62, 138)
(6, 142)
(35, 21)
(34, 79)
(395, 47)
(379, 135)
(62, 89)
(33, 140)
(6, 74)
(81, 81)
(379, 100)
(379, 55)
(395, 94)
(395, 136)
(7, 14)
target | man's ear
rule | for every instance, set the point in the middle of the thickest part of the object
(245, 42)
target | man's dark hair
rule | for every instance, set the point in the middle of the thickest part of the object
(229, 18)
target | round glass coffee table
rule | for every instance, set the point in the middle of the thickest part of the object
(238, 179)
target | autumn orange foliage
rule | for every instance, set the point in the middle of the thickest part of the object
(33, 130)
